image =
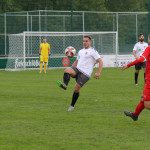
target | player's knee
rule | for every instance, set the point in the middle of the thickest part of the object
(77, 88)
(70, 71)
(147, 107)
(147, 104)
(67, 70)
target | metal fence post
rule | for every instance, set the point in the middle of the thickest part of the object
(5, 34)
(83, 21)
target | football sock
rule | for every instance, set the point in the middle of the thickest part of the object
(41, 65)
(144, 76)
(66, 78)
(45, 67)
(139, 108)
(74, 98)
(136, 77)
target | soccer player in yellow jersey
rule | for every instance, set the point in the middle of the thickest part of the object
(44, 53)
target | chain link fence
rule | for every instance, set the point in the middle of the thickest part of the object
(128, 25)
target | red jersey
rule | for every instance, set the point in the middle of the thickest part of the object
(145, 55)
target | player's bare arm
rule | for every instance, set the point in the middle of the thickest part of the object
(75, 63)
(97, 74)
(40, 50)
(137, 61)
(134, 53)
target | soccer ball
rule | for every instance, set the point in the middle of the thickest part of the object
(70, 51)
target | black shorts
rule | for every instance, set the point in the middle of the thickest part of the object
(139, 66)
(81, 78)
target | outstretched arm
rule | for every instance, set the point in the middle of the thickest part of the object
(97, 74)
(136, 62)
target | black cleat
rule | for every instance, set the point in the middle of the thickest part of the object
(130, 114)
(62, 85)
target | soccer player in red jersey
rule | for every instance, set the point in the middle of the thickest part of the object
(145, 98)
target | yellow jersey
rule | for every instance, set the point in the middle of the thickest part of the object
(44, 48)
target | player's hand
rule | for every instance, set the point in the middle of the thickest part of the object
(97, 75)
(124, 67)
(136, 57)
(39, 55)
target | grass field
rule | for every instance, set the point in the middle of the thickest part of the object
(34, 116)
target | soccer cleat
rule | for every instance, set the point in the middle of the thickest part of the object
(44, 71)
(62, 85)
(136, 84)
(40, 71)
(130, 114)
(70, 108)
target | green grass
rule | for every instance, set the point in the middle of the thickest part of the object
(34, 116)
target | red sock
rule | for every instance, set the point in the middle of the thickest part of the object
(139, 108)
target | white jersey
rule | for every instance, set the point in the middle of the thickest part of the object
(139, 48)
(86, 60)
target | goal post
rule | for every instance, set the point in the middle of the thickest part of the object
(24, 47)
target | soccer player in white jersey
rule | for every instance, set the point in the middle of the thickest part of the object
(82, 69)
(138, 49)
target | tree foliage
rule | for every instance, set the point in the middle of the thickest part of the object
(78, 5)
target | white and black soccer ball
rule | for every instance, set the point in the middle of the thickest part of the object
(70, 51)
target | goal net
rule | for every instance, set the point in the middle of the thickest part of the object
(24, 47)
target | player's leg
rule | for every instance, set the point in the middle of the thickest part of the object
(45, 67)
(147, 104)
(41, 63)
(81, 79)
(137, 111)
(71, 71)
(75, 96)
(144, 103)
(144, 68)
(137, 68)
(46, 61)
(146, 95)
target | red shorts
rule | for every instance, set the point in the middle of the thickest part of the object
(146, 93)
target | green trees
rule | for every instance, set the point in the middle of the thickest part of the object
(126, 5)
(78, 5)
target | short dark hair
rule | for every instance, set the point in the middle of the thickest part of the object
(141, 34)
(86, 36)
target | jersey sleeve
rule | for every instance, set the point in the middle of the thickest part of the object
(49, 46)
(78, 56)
(146, 53)
(96, 55)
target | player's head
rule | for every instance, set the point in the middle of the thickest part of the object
(87, 42)
(141, 37)
(44, 40)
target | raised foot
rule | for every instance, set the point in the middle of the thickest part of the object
(130, 114)
(62, 85)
